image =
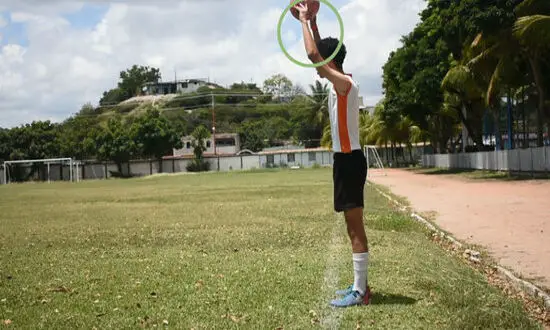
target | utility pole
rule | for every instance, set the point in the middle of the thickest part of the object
(213, 124)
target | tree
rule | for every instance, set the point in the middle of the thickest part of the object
(4, 144)
(155, 136)
(252, 135)
(319, 100)
(200, 134)
(37, 140)
(116, 143)
(531, 29)
(130, 84)
(113, 97)
(77, 134)
(132, 79)
(304, 126)
(278, 85)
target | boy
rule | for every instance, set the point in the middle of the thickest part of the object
(350, 167)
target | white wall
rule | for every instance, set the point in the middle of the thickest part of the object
(301, 158)
(94, 171)
(519, 160)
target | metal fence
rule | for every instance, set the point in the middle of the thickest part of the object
(534, 160)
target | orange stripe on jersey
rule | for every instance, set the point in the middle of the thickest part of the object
(343, 132)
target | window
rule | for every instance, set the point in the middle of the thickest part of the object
(270, 159)
(208, 144)
(184, 85)
(188, 145)
(225, 142)
(290, 158)
(312, 156)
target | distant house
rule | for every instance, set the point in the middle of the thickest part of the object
(304, 157)
(175, 87)
(226, 144)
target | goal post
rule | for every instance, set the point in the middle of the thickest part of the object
(374, 161)
(47, 170)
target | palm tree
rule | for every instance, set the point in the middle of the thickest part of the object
(532, 29)
(326, 139)
(319, 99)
(464, 95)
(499, 56)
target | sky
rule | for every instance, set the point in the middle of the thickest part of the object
(57, 55)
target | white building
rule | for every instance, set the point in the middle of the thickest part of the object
(226, 144)
(298, 157)
(175, 87)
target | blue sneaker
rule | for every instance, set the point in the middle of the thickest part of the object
(345, 291)
(354, 298)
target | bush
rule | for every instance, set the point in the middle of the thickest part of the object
(198, 166)
(316, 166)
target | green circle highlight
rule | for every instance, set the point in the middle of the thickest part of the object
(310, 65)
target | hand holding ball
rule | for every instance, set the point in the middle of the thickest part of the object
(312, 8)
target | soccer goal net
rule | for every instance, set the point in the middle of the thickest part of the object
(374, 162)
(41, 170)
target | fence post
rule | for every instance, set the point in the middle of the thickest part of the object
(241, 162)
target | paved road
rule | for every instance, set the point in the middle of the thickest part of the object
(510, 219)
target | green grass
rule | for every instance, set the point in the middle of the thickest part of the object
(222, 251)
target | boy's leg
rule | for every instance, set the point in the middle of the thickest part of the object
(350, 180)
(359, 245)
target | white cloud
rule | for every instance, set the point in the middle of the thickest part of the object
(63, 68)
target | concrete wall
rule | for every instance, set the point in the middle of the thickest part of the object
(302, 158)
(99, 171)
(518, 160)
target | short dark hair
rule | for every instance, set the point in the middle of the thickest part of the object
(327, 46)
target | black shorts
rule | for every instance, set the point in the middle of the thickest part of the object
(349, 174)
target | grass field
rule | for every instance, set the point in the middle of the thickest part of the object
(220, 251)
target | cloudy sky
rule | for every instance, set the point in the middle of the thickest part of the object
(56, 55)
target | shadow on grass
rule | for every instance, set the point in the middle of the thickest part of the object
(390, 299)
(482, 174)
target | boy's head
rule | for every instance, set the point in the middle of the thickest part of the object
(326, 48)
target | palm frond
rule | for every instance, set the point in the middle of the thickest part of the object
(493, 88)
(533, 31)
(531, 7)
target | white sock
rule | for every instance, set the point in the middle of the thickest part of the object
(360, 261)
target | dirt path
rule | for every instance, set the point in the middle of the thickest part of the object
(510, 219)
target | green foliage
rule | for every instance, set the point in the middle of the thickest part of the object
(132, 79)
(77, 137)
(4, 144)
(37, 140)
(113, 96)
(279, 86)
(198, 165)
(154, 135)
(130, 84)
(463, 57)
(200, 134)
(116, 143)
(252, 135)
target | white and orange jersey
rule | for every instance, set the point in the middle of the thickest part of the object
(344, 119)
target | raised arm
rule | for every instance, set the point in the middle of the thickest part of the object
(340, 81)
(315, 29)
